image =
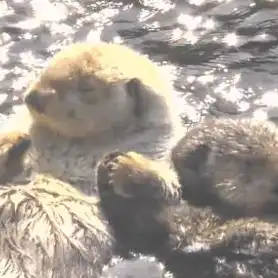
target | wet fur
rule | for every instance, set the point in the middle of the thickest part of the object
(190, 241)
(88, 101)
(49, 229)
(230, 165)
(92, 99)
(13, 148)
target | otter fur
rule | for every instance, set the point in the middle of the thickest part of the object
(50, 229)
(230, 165)
(191, 242)
(92, 99)
(13, 147)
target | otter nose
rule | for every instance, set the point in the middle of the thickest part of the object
(36, 101)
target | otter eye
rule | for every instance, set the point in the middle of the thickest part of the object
(134, 89)
(84, 85)
(85, 88)
(87, 93)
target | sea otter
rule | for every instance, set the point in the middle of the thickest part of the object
(147, 214)
(92, 99)
(230, 165)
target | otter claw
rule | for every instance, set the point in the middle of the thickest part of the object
(108, 158)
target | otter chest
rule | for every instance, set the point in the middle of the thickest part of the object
(74, 164)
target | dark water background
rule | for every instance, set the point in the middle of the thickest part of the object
(222, 56)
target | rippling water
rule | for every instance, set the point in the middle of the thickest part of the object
(221, 55)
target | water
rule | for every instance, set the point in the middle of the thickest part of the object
(221, 55)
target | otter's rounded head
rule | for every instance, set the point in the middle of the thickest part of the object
(89, 89)
(230, 165)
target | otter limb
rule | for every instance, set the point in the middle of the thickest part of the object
(136, 193)
(13, 147)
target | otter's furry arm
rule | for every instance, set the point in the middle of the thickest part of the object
(13, 147)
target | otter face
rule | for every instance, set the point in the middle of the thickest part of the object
(89, 89)
(133, 191)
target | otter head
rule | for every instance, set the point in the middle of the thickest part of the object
(89, 89)
(231, 166)
(134, 192)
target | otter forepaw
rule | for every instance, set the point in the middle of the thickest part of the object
(133, 175)
(13, 146)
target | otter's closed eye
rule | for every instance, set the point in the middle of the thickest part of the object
(86, 90)
(134, 87)
(85, 87)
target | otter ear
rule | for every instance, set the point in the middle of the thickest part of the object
(135, 89)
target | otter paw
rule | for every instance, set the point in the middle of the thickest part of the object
(132, 175)
(13, 146)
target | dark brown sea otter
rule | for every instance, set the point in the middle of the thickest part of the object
(145, 211)
(230, 165)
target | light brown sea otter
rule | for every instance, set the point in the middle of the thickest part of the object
(95, 98)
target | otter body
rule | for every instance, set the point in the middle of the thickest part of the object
(92, 99)
(190, 241)
(68, 159)
(49, 229)
(231, 165)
